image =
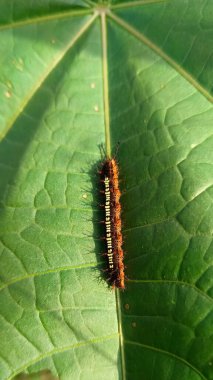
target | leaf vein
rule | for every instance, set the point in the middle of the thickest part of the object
(56, 270)
(141, 37)
(61, 350)
(174, 356)
(175, 282)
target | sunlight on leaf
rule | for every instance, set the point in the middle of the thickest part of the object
(75, 75)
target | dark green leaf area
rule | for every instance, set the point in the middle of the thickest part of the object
(167, 24)
(12, 11)
(167, 213)
(174, 327)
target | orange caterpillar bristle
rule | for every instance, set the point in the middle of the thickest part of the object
(109, 179)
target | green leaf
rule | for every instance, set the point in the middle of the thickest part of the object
(75, 75)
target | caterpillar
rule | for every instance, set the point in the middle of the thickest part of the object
(109, 179)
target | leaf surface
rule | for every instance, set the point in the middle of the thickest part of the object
(74, 76)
